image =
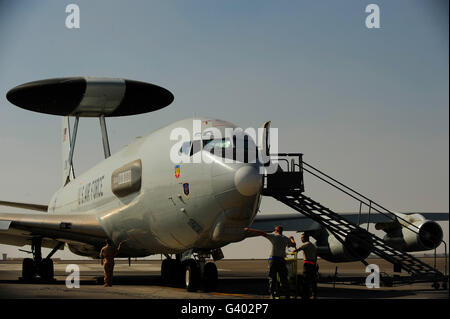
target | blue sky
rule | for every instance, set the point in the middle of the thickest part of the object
(368, 106)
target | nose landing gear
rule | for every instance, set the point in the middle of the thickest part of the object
(200, 273)
(191, 273)
(210, 276)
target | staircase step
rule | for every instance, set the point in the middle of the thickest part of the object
(339, 226)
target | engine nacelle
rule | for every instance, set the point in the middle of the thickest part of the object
(417, 235)
(358, 246)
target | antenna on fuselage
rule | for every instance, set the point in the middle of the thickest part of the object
(89, 97)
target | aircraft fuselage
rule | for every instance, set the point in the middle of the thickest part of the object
(159, 206)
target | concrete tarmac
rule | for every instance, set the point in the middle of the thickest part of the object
(238, 279)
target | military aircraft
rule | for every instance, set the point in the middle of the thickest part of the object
(140, 196)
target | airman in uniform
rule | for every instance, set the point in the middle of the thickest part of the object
(309, 263)
(107, 255)
(277, 263)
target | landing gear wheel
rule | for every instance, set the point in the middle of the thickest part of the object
(170, 271)
(46, 270)
(192, 275)
(165, 271)
(177, 271)
(210, 276)
(28, 269)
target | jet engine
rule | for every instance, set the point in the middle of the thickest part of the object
(412, 233)
(357, 246)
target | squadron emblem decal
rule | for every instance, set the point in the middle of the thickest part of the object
(186, 189)
(177, 171)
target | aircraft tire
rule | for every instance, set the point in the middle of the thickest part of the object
(28, 269)
(46, 269)
(210, 277)
(191, 275)
(177, 273)
(165, 271)
(171, 272)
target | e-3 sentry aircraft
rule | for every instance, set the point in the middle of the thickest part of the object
(140, 197)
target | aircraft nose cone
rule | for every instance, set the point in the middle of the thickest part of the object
(247, 180)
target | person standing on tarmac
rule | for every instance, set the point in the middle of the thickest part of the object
(309, 263)
(277, 262)
(107, 255)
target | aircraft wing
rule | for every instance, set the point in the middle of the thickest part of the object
(17, 229)
(299, 222)
(42, 208)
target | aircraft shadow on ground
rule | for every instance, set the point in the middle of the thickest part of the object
(245, 286)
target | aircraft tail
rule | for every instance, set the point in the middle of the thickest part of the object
(67, 169)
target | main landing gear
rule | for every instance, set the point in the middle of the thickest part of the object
(36, 265)
(191, 273)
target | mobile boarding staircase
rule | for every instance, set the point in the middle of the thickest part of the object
(287, 186)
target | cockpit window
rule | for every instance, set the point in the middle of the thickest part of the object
(219, 143)
(196, 147)
(244, 149)
(241, 142)
(186, 148)
(217, 147)
(240, 149)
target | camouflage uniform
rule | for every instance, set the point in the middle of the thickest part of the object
(107, 255)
